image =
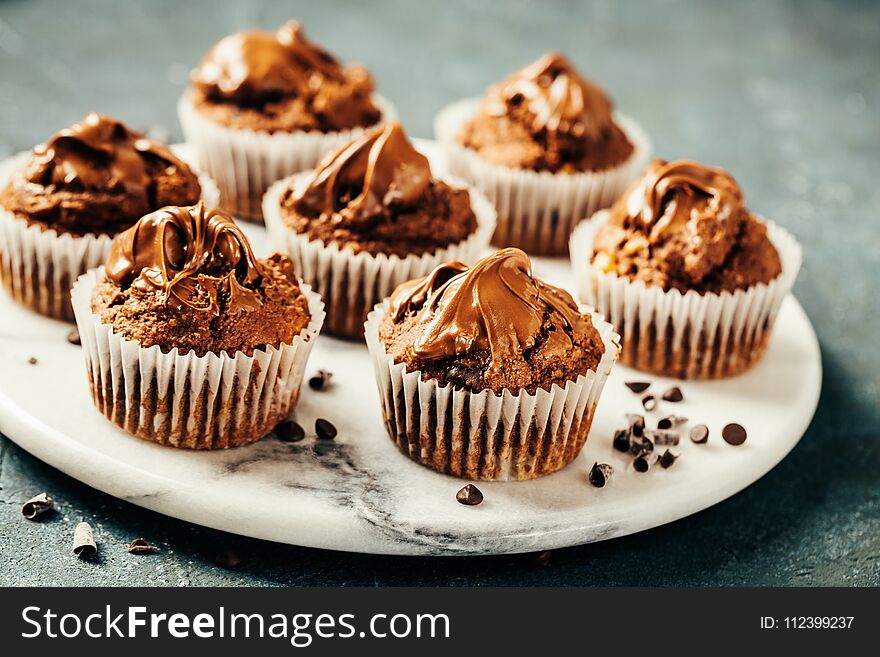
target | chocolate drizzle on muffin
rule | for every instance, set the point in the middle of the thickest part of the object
(376, 194)
(97, 176)
(492, 325)
(282, 82)
(684, 226)
(547, 117)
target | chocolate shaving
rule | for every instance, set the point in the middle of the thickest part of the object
(636, 424)
(666, 459)
(641, 463)
(140, 546)
(734, 434)
(641, 445)
(673, 395)
(638, 386)
(227, 559)
(73, 338)
(84, 545)
(600, 473)
(325, 429)
(671, 421)
(37, 506)
(321, 381)
(700, 434)
(649, 402)
(470, 495)
(290, 432)
(661, 437)
(621, 440)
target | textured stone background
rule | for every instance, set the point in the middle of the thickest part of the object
(784, 94)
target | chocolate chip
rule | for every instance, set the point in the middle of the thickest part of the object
(667, 459)
(671, 421)
(700, 434)
(227, 559)
(600, 473)
(32, 361)
(649, 402)
(140, 546)
(325, 429)
(290, 432)
(621, 440)
(470, 495)
(321, 380)
(661, 437)
(37, 506)
(73, 337)
(673, 395)
(641, 463)
(636, 424)
(84, 545)
(637, 386)
(734, 434)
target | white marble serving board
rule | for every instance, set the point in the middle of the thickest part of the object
(358, 493)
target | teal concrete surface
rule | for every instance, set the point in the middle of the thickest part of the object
(786, 95)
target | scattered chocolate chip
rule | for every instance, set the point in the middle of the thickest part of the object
(32, 361)
(73, 337)
(290, 432)
(600, 473)
(649, 402)
(641, 445)
(700, 434)
(671, 421)
(621, 440)
(641, 463)
(673, 395)
(543, 558)
(666, 459)
(636, 424)
(321, 380)
(84, 545)
(140, 546)
(325, 429)
(663, 437)
(638, 386)
(227, 559)
(470, 495)
(734, 434)
(37, 506)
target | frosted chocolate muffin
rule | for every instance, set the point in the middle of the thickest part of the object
(190, 340)
(264, 105)
(546, 147)
(477, 365)
(370, 217)
(700, 276)
(61, 204)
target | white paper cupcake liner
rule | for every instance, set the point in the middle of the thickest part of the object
(691, 335)
(537, 211)
(184, 400)
(246, 162)
(514, 435)
(352, 283)
(38, 266)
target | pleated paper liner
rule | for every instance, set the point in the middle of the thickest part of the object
(246, 162)
(691, 335)
(184, 400)
(352, 283)
(537, 211)
(38, 265)
(514, 435)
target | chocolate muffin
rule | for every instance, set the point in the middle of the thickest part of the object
(370, 217)
(263, 105)
(477, 366)
(546, 147)
(61, 205)
(702, 277)
(207, 344)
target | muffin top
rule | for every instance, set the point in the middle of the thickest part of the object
(546, 117)
(376, 194)
(490, 326)
(97, 177)
(683, 225)
(281, 82)
(186, 277)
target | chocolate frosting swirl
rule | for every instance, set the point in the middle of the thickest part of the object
(379, 169)
(256, 67)
(190, 254)
(559, 101)
(496, 304)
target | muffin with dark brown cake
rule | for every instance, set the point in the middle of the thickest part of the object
(264, 105)
(688, 275)
(190, 340)
(370, 217)
(486, 372)
(546, 148)
(62, 203)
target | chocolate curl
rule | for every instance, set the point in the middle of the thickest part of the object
(140, 546)
(662, 437)
(37, 506)
(84, 541)
(600, 474)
